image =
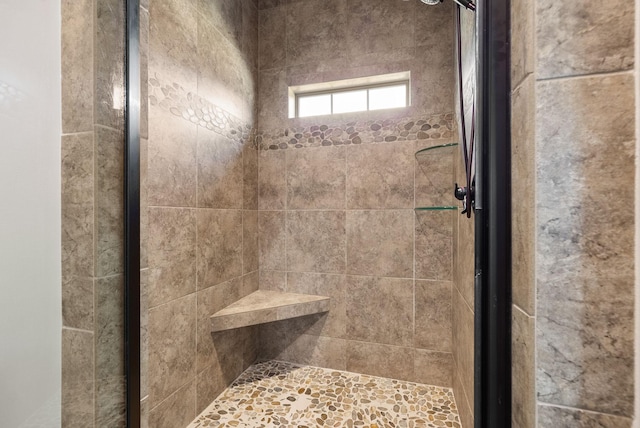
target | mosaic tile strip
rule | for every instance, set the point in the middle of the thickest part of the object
(279, 394)
(193, 108)
(436, 127)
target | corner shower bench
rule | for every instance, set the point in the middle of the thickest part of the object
(264, 306)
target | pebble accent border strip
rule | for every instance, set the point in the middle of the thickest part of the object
(280, 394)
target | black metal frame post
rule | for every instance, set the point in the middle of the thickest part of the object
(493, 218)
(132, 214)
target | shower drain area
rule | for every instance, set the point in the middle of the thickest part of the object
(280, 394)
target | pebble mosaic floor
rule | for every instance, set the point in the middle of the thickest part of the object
(279, 394)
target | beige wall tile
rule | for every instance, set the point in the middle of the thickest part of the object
(225, 16)
(272, 40)
(177, 410)
(316, 241)
(435, 174)
(558, 416)
(250, 177)
(272, 98)
(272, 180)
(523, 40)
(463, 344)
(434, 245)
(433, 368)
(273, 280)
(209, 385)
(433, 91)
(219, 246)
(316, 178)
(523, 370)
(433, 27)
(465, 407)
(250, 31)
(316, 351)
(111, 397)
(465, 269)
(77, 378)
(144, 204)
(433, 315)
(220, 171)
(380, 360)
(250, 256)
(380, 176)
(144, 72)
(77, 302)
(380, 243)
(172, 254)
(272, 240)
(109, 327)
(144, 332)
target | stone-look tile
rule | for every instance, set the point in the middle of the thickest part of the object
(250, 283)
(463, 344)
(380, 310)
(272, 187)
(435, 174)
(111, 407)
(144, 204)
(173, 41)
(77, 378)
(433, 27)
(380, 360)
(273, 100)
(315, 31)
(209, 384)
(434, 245)
(77, 65)
(172, 160)
(372, 26)
(172, 254)
(77, 303)
(272, 240)
(273, 280)
(433, 368)
(250, 256)
(109, 48)
(549, 416)
(465, 268)
(220, 171)
(316, 241)
(465, 407)
(334, 323)
(316, 178)
(211, 301)
(380, 243)
(219, 246)
(144, 332)
(109, 325)
(523, 41)
(316, 351)
(109, 211)
(250, 35)
(272, 38)
(583, 38)
(225, 16)
(172, 347)
(268, 4)
(250, 177)
(584, 251)
(144, 73)
(433, 315)
(432, 91)
(380, 176)
(144, 413)
(523, 194)
(523, 370)
(177, 410)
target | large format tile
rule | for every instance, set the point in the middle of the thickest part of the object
(219, 246)
(172, 254)
(380, 176)
(272, 240)
(220, 171)
(433, 368)
(549, 416)
(380, 243)
(250, 255)
(584, 38)
(172, 347)
(316, 178)
(316, 241)
(77, 378)
(463, 344)
(250, 34)
(523, 369)
(380, 310)
(380, 360)
(225, 16)
(111, 397)
(272, 38)
(433, 315)
(250, 176)
(584, 253)
(177, 410)
(523, 41)
(434, 245)
(273, 99)
(272, 181)
(109, 327)
(431, 76)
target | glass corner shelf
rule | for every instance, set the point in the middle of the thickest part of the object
(449, 208)
(430, 149)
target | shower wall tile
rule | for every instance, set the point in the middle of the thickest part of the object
(465, 269)
(273, 101)
(433, 90)
(585, 276)
(144, 332)
(172, 254)
(77, 65)
(219, 247)
(250, 177)
(273, 182)
(144, 71)
(109, 208)
(435, 174)
(465, 407)
(272, 240)
(273, 32)
(380, 176)
(250, 256)
(318, 351)
(463, 344)
(433, 368)
(220, 171)
(433, 27)
(523, 41)
(273, 280)
(177, 410)
(225, 16)
(433, 315)
(172, 160)
(434, 245)
(316, 241)
(209, 384)
(584, 38)
(316, 178)
(77, 302)
(250, 31)
(380, 243)
(77, 378)
(558, 416)
(380, 360)
(144, 204)
(523, 158)
(109, 325)
(523, 369)
(173, 38)
(111, 397)
(172, 348)
(380, 310)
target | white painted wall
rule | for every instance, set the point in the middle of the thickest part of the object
(30, 308)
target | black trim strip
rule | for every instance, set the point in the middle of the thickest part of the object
(493, 218)
(132, 213)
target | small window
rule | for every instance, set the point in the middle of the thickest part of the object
(347, 96)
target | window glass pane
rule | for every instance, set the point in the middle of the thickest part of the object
(314, 105)
(345, 102)
(388, 97)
